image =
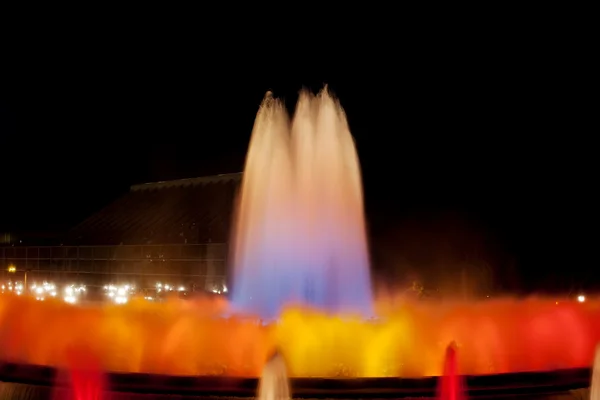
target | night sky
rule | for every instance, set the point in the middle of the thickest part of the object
(479, 153)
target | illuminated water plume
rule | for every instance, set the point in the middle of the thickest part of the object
(595, 385)
(450, 385)
(176, 339)
(300, 228)
(274, 383)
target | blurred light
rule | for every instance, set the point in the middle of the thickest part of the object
(181, 288)
(39, 290)
(225, 289)
(70, 299)
(120, 299)
(12, 269)
(581, 298)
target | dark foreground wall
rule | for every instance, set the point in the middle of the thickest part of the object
(23, 381)
(18, 391)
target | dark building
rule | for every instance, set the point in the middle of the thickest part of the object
(175, 232)
(185, 211)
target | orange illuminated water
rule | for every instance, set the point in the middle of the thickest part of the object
(410, 340)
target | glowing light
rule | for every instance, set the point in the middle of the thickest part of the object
(12, 269)
(581, 298)
(181, 289)
(72, 293)
(118, 294)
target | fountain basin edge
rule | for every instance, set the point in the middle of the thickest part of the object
(509, 384)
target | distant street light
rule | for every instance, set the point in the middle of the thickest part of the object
(12, 269)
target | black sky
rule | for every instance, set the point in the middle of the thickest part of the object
(500, 136)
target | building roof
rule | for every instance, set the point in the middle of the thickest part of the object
(196, 210)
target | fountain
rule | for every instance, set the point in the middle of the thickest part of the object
(300, 256)
(300, 233)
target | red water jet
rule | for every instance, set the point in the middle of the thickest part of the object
(450, 386)
(85, 375)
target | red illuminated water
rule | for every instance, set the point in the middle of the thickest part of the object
(85, 377)
(451, 386)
